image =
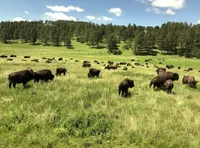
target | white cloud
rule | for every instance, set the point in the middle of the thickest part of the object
(116, 11)
(26, 12)
(148, 9)
(18, 19)
(170, 12)
(157, 10)
(65, 9)
(89, 17)
(105, 18)
(59, 16)
(198, 22)
(175, 4)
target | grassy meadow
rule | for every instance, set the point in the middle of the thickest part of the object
(75, 111)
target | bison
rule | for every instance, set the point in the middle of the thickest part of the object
(26, 57)
(169, 66)
(3, 56)
(60, 71)
(111, 67)
(158, 70)
(20, 77)
(93, 72)
(124, 85)
(86, 65)
(190, 81)
(169, 75)
(125, 68)
(44, 75)
(35, 60)
(157, 82)
(60, 59)
(168, 86)
(13, 56)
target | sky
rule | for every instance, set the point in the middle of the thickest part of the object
(119, 12)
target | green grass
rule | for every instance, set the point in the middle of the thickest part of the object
(74, 111)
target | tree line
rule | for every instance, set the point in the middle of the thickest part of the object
(176, 38)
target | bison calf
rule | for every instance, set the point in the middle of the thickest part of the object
(20, 77)
(60, 71)
(124, 85)
(93, 72)
(168, 86)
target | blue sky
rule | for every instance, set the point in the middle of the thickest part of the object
(121, 12)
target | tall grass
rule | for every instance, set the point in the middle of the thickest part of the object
(75, 111)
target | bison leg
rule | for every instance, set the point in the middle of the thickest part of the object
(24, 83)
(14, 84)
(10, 84)
(64, 73)
(126, 92)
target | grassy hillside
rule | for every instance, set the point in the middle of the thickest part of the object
(75, 111)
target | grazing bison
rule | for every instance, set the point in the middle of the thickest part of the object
(3, 56)
(86, 65)
(124, 85)
(44, 75)
(169, 75)
(35, 60)
(13, 56)
(168, 86)
(60, 71)
(111, 67)
(9, 59)
(48, 61)
(128, 64)
(125, 68)
(132, 60)
(190, 81)
(110, 62)
(157, 82)
(44, 58)
(26, 57)
(158, 70)
(20, 77)
(137, 64)
(170, 66)
(76, 60)
(60, 59)
(179, 67)
(93, 72)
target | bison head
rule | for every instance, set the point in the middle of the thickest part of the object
(175, 76)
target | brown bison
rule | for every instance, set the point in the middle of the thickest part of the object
(157, 82)
(3, 56)
(190, 81)
(26, 57)
(111, 67)
(44, 75)
(169, 75)
(124, 85)
(20, 77)
(169, 66)
(35, 60)
(168, 86)
(60, 71)
(13, 56)
(86, 65)
(93, 72)
(60, 59)
(9, 59)
(125, 68)
(158, 70)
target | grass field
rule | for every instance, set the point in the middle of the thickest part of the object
(75, 111)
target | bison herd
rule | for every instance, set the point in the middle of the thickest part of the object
(163, 81)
